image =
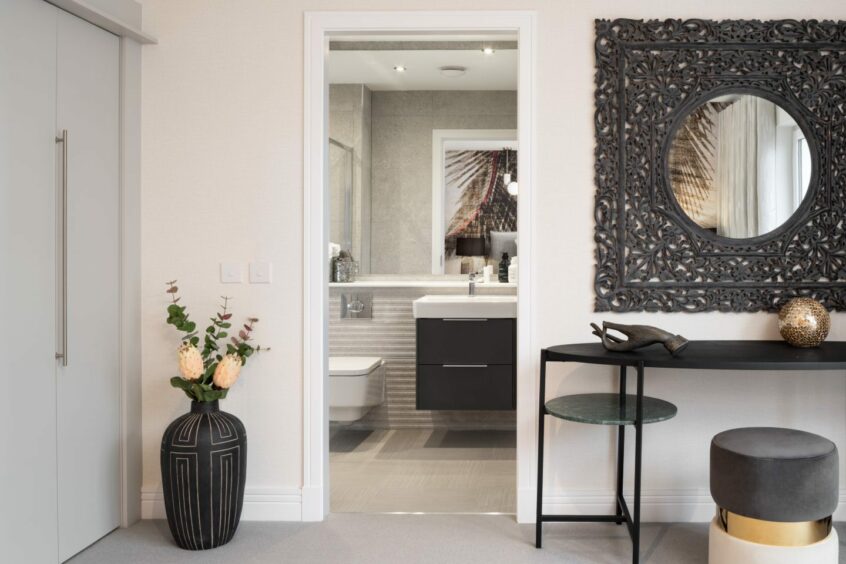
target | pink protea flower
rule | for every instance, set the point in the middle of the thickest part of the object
(227, 371)
(190, 362)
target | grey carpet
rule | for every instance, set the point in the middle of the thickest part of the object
(411, 539)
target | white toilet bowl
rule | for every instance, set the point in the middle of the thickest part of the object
(356, 385)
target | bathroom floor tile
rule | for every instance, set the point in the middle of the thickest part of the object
(422, 470)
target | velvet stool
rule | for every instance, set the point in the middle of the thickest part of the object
(776, 490)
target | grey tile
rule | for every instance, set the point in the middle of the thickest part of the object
(400, 470)
(480, 102)
(401, 165)
(347, 440)
(401, 139)
(408, 103)
(472, 439)
(344, 97)
(475, 122)
(342, 127)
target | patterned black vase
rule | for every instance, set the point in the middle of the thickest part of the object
(204, 467)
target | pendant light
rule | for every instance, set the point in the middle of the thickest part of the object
(510, 185)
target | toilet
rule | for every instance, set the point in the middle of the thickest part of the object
(356, 385)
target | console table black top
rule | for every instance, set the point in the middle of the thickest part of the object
(717, 355)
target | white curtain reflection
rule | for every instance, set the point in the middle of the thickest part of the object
(746, 168)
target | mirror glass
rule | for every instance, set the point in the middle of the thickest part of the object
(739, 165)
(422, 154)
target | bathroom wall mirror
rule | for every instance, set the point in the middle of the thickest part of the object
(420, 157)
(718, 179)
(739, 165)
(474, 196)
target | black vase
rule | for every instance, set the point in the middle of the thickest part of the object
(204, 467)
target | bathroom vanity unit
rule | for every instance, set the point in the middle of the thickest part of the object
(466, 352)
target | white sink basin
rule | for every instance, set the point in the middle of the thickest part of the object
(464, 306)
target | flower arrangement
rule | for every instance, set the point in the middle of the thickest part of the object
(207, 374)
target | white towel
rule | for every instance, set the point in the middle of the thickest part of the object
(334, 250)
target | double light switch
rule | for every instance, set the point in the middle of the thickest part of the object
(233, 272)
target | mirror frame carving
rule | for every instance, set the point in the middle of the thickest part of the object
(649, 74)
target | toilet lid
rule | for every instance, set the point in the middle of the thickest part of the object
(353, 365)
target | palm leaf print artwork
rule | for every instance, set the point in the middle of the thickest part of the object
(476, 200)
(692, 165)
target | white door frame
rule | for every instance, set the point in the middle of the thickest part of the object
(319, 26)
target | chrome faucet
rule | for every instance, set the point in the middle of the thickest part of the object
(471, 290)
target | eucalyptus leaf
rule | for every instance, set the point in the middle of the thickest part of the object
(214, 395)
(180, 383)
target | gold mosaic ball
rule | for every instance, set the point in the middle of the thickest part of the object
(803, 322)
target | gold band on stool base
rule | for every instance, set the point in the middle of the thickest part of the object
(773, 533)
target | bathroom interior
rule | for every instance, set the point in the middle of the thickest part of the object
(423, 255)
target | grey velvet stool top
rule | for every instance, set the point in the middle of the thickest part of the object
(774, 474)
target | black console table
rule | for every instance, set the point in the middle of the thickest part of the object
(710, 355)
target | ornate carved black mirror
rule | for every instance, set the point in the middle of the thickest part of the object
(720, 164)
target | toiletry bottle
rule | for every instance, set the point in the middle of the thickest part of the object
(503, 268)
(335, 272)
(512, 271)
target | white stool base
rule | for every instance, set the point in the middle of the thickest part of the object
(726, 549)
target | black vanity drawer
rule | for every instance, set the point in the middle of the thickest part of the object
(465, 341)
(465, 387)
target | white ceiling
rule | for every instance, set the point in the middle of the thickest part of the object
(376, 69)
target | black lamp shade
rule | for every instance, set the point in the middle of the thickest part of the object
(470, 246)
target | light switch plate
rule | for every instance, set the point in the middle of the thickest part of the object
(231, 273)
(260, 272)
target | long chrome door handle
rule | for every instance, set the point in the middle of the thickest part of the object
(63, 354)
(464, 365)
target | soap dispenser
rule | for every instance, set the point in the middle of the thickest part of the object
(512, 271)
(503, 268)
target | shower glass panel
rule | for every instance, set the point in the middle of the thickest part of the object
(341, 194)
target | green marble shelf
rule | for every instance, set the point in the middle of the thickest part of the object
(604, 409)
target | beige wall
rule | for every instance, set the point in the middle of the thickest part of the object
(401, 233)
(222, 179)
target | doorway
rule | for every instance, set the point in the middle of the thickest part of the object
(320, 30)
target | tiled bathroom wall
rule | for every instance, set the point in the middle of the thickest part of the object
(390, 334)
(349, 123)
(402, 125)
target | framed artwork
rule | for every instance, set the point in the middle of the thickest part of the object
(470, 197)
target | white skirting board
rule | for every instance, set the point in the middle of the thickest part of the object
(260, 504)
(657, 506)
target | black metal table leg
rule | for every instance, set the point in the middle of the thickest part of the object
(622, 513)
(541, 413)
(638, 448)
(621, 446)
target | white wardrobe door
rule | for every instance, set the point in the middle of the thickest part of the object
(88, 388)
(27, 282)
